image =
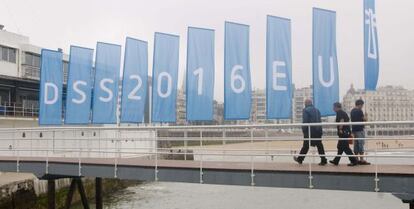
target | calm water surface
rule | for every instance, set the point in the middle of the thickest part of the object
(160, 195)
(195, 196)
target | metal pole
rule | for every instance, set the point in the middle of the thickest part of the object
(201, 158)
(156, 155)
(117, 147)
(51, 194)
(185, 145)
(224, 144)
(310, 163)
(18, 152)
(98, 193)
(267, 144)
(251, 159)
(376, 179)
(79, 154)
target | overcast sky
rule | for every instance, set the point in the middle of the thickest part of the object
(58, 24)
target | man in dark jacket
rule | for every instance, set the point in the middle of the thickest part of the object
(311, 115)
(344, 132)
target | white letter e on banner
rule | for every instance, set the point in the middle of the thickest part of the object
(276, 75)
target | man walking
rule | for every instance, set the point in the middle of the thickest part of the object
(311, 115)
(357, 115)
(344, 132)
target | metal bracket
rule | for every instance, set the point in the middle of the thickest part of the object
(252, 175)
(377, 189)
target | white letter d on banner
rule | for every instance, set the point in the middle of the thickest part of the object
(55, 93)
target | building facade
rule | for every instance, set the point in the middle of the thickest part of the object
(387, 103)
(258, 111)
(181, 112)
(258, 107)
(299, 97)
(20, 73)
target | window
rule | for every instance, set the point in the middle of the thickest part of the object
(8, 54)
(28, 59)
(12, 55)
(4, 54)
(32, 59)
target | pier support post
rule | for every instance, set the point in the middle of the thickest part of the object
(51, 198)
(70, 194)
(76, 182)
(82, 193)
(98, 193)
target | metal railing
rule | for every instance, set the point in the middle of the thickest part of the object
(272, 143)
(18, 110)
(31, 72)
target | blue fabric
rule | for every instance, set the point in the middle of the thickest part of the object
(371, 51)
(78, 99)
(237, 84)
(278, 68)
(105, 93)
(164, 78)
(200, 74)
(51, 84)
(134, 83)
(325, 63)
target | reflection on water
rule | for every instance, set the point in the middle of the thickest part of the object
(196, 196)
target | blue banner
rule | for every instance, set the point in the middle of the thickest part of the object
(105, 92)
(371, 51)
(79, 86)
(164, 78)
(237, 84)
(51, 84)
(278, 68)
(134, 83)
(200, 74)
(325, 63)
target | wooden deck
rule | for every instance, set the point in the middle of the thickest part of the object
(226, 165)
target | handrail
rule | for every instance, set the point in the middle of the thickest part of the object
(198, 127)
(120, 142)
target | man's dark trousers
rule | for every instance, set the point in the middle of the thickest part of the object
(343, 146)
(314, 143)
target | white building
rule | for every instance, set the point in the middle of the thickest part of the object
(299, 97)
(388, 103)
(181, 112)
(258, 107)
(20, 70)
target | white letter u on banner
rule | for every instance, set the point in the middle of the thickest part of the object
(320, 72)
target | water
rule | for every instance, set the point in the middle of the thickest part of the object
(197, 196)
(160, 195)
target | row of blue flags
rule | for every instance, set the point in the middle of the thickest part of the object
(92, 92)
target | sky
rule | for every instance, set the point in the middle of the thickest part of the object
(58, 24)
